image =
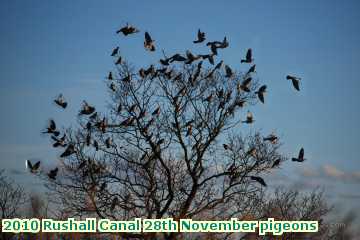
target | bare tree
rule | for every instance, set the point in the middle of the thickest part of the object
(171, 144)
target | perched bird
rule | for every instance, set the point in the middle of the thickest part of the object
(114, 203)
(271, 138)
(53, 173)
(249, 118)
(108, 142)
(295, 81)
(149, 42)
(156, 112)
(261, 92)
(68, 151)
(225, 146)
(59, 142)
(60, 101)
(33, 168)
(115, 51)
(228, 71)
(86, 109)
(276, 163)
(128, 29)
(259, 180)
(248, 58)
(119, 60)
(200, 37)
(224, 43)
(110, 76)
(300, 158)
(51, 129)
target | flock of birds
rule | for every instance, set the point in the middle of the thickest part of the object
(149, 44)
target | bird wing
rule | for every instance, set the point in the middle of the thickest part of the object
(52, 125)
(295, 83)
(301, 153)
(249, 54)
(147, 37)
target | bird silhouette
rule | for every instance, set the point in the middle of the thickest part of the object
(228, 71)
(251, 69)
(259, 180)
(115, 51)
(209, 57)
(156, 112)
(53, 173)
(271, 138)
(149, 42)
(261, 92)
(128, 29)
(60, 101)
(295, 81)
(59, 142)
(249, 118)
(51, 129)
(191, 57)
(200, 37)
(248, 58)
(33, 168)
(118, 61)
(245, 85)
(110, 76)
(68, 151)
(276, 163)
(300, 158)
(86, 109)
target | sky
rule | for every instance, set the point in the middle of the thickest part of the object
(52, 47)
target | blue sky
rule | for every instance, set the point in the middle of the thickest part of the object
(48, 47)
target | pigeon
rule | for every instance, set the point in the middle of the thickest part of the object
(115, 51)
(68, 151)
(300, 158)
(149, 42)
(249, 118)
(86, 109)
(261, 92)
(60, 101)
(52, 174)
(200, 37)
(248, 58)
(295, 81)
(128, 29)
(51, 129)
(259, 180)
(33, 168)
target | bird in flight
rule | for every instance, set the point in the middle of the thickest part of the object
(149, 42)
(60, 101)
(200, 37)
(128, 29)
(251, 69)
(53, 173)
(276, 163)
(300, 158)
(295, 81)
(245, 85)
(261, 92)
(33, 168)
(115, 51)
(86, 109)
(259, 180)
(248, 58)
(51, 129)
(68, 151)
(271, 138)
(59, 142)
(249, 118)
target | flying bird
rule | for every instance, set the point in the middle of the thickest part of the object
(60, 101)
(149, 42)
(261, 92)
(59, 142)
(86, 109)
(251, 69)
(245, 85)
(128, 29)
(259, 180)
(249, 118)
(271, 138)
(53, 173)
(295, 81)
(248, 58)
(51, 129)
(118, 61)
(68, 151)
(115, 51)
(200, 37)
(300, 158)
(33, 168)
